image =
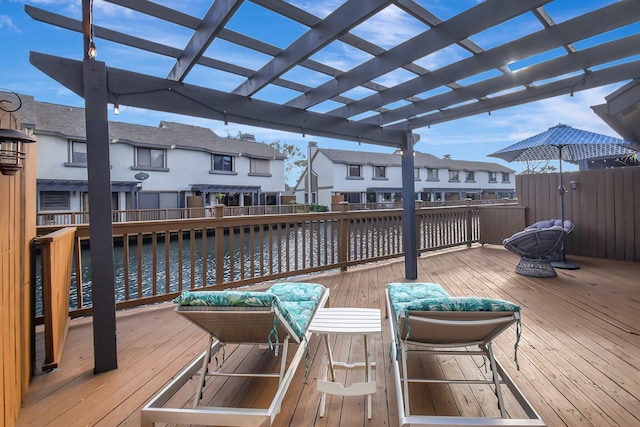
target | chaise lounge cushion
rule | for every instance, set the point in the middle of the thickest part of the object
(296, 292)
(225, 299)
(461, 304)
(403, 293)
(296, 302)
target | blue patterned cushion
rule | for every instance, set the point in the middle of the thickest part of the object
(297, 291)
(299, 314)
(225, 299)
(403, 293)
(461, 304)
(296, 302)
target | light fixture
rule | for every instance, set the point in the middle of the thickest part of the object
(92, 52)
(574, 184)
(12, 154)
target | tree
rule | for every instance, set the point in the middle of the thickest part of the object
(539, 166)
(295, 160)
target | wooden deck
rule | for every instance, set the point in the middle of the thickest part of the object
(579, 355)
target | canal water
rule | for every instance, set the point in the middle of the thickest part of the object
(255, 258)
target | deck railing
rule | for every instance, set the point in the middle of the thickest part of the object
(82, 217)
(126, 215)
(156, 260)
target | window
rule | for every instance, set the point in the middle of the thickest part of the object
(78, 152)
(259, 167)
(379, 172)
(352, 197)
(470, 176)
(493, 177)
(54, 200)
(432, 174)
(505, 177)
(416, 174)
(353, 171)
(152, 158)
(222, 162)
(454, 176)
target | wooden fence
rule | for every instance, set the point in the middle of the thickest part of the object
(604, 206)
(17, 229)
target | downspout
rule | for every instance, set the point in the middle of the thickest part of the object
(310, 151)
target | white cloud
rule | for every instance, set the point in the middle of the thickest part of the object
(7, 23)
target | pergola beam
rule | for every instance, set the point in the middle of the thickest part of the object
(214, 21)
(568, 86)
(579, 28)
(205, 61)
(347, 16)
(467, 23)
(581, 60)
(144, 91)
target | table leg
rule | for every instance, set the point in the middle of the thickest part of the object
(328, 366)
(330, 357)
(367, 372)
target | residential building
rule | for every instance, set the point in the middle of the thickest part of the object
(368, 177)
(173, 165)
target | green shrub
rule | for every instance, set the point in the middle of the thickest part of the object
(318, 208)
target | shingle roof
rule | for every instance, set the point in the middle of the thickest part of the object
(69, 122)
(421, 160)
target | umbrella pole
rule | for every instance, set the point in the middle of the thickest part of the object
(563, 264)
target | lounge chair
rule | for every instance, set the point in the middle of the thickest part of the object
(424, 318)
(536, 246)
(567, 225)
(276, 317)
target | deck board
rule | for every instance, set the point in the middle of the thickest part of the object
(579, 355)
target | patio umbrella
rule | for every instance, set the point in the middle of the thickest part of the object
(563, 142)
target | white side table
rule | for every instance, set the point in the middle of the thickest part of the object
(346, 321)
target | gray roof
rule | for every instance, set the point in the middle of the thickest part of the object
(69, 122)
(421, 160)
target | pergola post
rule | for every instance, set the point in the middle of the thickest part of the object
(409, 207)
(94, 75)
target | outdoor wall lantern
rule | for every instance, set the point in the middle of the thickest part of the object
(574, 184)
(12, 154)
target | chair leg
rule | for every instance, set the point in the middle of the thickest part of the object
(405, 374)
(203, 373)
(497, 380)
(535, 268)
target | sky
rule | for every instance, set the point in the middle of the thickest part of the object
(472, 138)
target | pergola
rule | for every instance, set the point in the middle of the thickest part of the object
(486, 56)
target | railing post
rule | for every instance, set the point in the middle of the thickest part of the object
(219, 213)
(343, 235)
(418, 225)
(469, 227)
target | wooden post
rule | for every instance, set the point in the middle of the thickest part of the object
(409, 207)
(343, 246)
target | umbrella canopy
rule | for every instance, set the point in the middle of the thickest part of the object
(573, 144)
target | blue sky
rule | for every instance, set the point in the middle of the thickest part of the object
(472, 138)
